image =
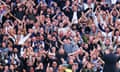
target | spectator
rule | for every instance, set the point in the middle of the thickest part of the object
(59, 35)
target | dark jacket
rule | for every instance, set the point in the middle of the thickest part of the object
(70, 13)
(110, 62)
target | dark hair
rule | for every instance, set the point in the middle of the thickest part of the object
(115, 31)
(87, 30)
(118, 46)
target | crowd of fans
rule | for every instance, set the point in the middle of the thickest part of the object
(59, 35)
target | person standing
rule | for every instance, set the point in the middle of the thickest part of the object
(110, 59)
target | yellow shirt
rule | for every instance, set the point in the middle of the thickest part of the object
(68, 70)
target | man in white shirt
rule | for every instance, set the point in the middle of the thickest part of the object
(76, 14)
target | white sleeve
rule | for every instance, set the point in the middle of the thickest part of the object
(110, 34)
(104, 34)
(24, 39)
(95, 21)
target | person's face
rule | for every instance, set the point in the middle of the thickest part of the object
(7, 1)
(19, 32)
(53, 49)
(15, 50)
(86, 46)
(27, 21)
(6, 68)
(41, 37)
(107, 30)
(80, 52)
(75, 39)
(61, 51)
(3, 44)
(33, 39)
(52, 10)
(59, 17)
(20, 9)
(68, 34)
(94, 56)
(35, 11)
(48, 21)
(89, 1)
(15, 22)
(10, 48)
(61, 25)
(54, 64)
(117, 22)
(1, 67)
(36, 25)
(107, 41)
(93, 28)
(107, 51)
(75, 8)
(31, 21)
(99, 34)
(54, 38)
(67, 3)
(42, 18)
(91, 38)
(48, 10)
(68, 41)
(117, 33)
(104, 15)
(41, 30)
(71, 61)
(31, 69)
(54, 23)
(89, 65)
(11, 67)
(114, 13)
(50, 69)
(44, 7)
(60, 68)
(118, 50)
(5, 37)
(24, 70)
(49, 36)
